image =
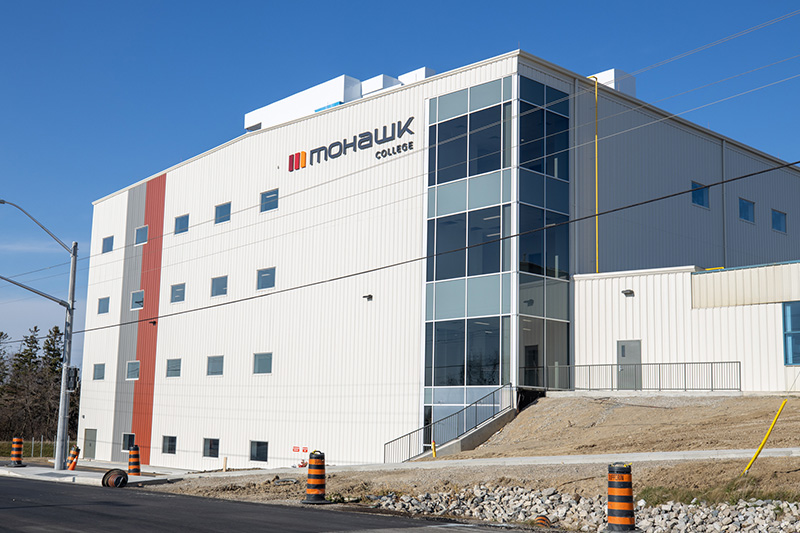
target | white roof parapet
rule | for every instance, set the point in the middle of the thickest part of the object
(618, 80)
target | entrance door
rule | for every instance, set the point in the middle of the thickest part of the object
(629, 365)
(89, 443)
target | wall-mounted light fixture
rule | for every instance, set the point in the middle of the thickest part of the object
(628, 293)
(367, 297)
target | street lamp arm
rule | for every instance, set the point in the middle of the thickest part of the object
(40, 293)
(59, 241)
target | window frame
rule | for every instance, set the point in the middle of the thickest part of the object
(207, 446)
(136, 241)
(167, 374)
(186, 230)
(102, 368)
(125, 438)
(744, 202)
(128, 370)
(107, 300)
(208, 365)
(216, 213)
(255, 365)
(262, 203)
(785, 229)
(704, 190)
(172, 299)
(109, 239)
(132, 297)
(258, 278)
(173, 445)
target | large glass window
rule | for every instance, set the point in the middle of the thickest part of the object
(108, 244)
(779, 221)
(557, 145)
(259, 450)
(531, 243)
(531, 352)
(531, 188)
(219, 286)
(699, 194)
(747, 210)
(484, 227)
(210, 447)
(791, 332)
(449, 353)
(484, 140)
(269, 200)
(557, 245)
(181, 224)
(428, 354)
(451, 235)
(222, 213)
(483, 351)
(531, 137)
(451, 162)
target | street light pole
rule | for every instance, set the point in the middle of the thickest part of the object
(63, 406)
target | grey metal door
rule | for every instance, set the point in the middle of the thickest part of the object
(89, 443)
(629, 365)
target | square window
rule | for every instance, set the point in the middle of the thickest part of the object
(108, 244)
(137, 300)
(747, 210)
(102, 305)
(214, 365)
(779, 221)
(169, 444)
(791, 332)
(699, 194)
(210, 447)
(219, 286)
(262, 363)
(177, 293)
(132, 371)
(258, 450)
(269, 200)
(128, 441)
(181, 224)
(99, 371)
(222, 213)
(173, 368)
(141, 236)
(265, 278)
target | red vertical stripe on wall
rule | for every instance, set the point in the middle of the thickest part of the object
(147, 335)
(297, 161)
(291, 162)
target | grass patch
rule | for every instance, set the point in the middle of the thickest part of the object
(740, 488)
(5, 449)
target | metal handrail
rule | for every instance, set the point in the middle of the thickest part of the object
(452, 427)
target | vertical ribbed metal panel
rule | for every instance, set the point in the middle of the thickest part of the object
(747, 286)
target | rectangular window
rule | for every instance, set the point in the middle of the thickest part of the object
(169, 444)
(108, 244)
(173, 368)
(258, 450)
(137, 300)
(265, 278)
(210, 447)
(140, 236)
(779, 221)
(699, 195)
(791, 333)
(181, 224)
(222, 213)
(102, 305)
(269, 200)
(128, 441)
(262, 363)
(214, 365)
(99, 371)
(177, 293)
(219, 286)
(747, 210)
(132, 370)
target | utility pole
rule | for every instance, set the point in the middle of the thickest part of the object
(63, 406)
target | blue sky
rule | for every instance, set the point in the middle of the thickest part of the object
(98, 95)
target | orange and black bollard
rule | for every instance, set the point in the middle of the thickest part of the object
(542, 521)
(73, 457)
(315, 489)
(16, 452)
(620, 498)
(133, 461)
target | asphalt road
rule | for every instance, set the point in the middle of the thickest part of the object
(28, 506)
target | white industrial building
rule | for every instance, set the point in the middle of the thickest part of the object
(371, 256)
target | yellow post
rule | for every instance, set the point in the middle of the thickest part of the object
(433, 447)
(763, 442)
(596, 230)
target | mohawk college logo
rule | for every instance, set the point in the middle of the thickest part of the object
(362, 141)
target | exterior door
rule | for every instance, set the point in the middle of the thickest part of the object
(89, 443)
(629, 365)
